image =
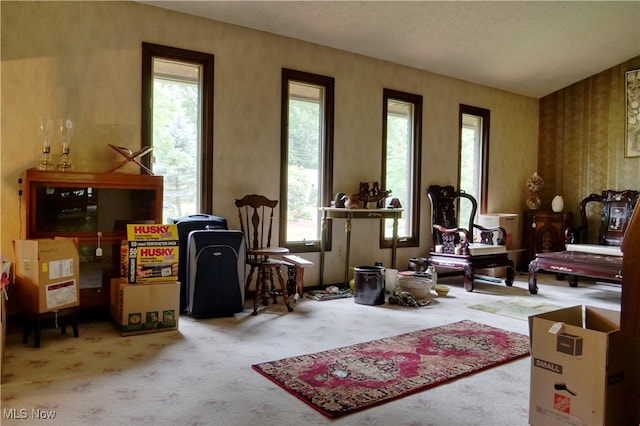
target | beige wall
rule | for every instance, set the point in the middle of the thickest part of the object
(82, 60)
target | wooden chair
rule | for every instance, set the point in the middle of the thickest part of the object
(591, 251)
(256, 222)
(612, 209)
(454, 247)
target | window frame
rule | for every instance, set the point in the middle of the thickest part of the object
(206, 61)
(417, 101)
(485, 114)
(327, 163)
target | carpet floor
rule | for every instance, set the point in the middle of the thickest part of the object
(201, 374)
(344, 380)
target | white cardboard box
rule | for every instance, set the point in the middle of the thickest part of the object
(583, 369)
(509, 221)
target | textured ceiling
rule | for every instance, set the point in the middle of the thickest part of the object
(530, 48)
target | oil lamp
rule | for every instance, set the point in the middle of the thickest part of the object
(65, 130)
(45, 129)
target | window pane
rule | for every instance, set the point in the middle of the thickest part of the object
(307, 167)
(401, 163)
(176, 144)
(177, 122)
(399, 160)
(470, 160)
(304, 149)
(474, 155)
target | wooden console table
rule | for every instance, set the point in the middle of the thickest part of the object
(329, 213)
(575, 264)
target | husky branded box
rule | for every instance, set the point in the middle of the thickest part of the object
(144, 308)
(582, 369)
(47, 274)
(150, 253)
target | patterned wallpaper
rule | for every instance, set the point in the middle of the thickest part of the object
(581, 139)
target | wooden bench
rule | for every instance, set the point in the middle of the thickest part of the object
(298, 264)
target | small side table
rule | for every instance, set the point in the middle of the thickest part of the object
(34, 321)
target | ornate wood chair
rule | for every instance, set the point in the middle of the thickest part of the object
(612, 209)
(593, 247)
(454, 247)
(256, 222)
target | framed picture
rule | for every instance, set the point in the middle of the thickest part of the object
(618, 218)
(615, 218)
(632, 122)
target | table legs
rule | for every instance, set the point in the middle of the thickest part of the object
(394, 244)
(323, 238)
(347, 230)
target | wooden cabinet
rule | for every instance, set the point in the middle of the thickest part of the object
(630, 304)
(94, 208)
(542, 232)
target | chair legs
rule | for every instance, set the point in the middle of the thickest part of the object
(265, 287)
(469, 276)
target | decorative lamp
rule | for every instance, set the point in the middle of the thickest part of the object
(535, 184)
(65, 130)
(45, 129)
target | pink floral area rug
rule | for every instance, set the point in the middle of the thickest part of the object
(344, 380)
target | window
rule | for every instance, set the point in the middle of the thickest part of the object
(402, 136)
(307, 157)
(177, 121)
(474, 156)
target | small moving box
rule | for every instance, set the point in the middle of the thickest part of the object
(145, 308)
(150, 253)
(47, 274)
(508, 221)
(583, 370)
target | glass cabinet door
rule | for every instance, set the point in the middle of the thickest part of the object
(87, 210)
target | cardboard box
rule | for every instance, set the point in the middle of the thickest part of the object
(508, 221)
(150, 253)
(501, 272)
(145, 308)
(47, 274)
(582, 369)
